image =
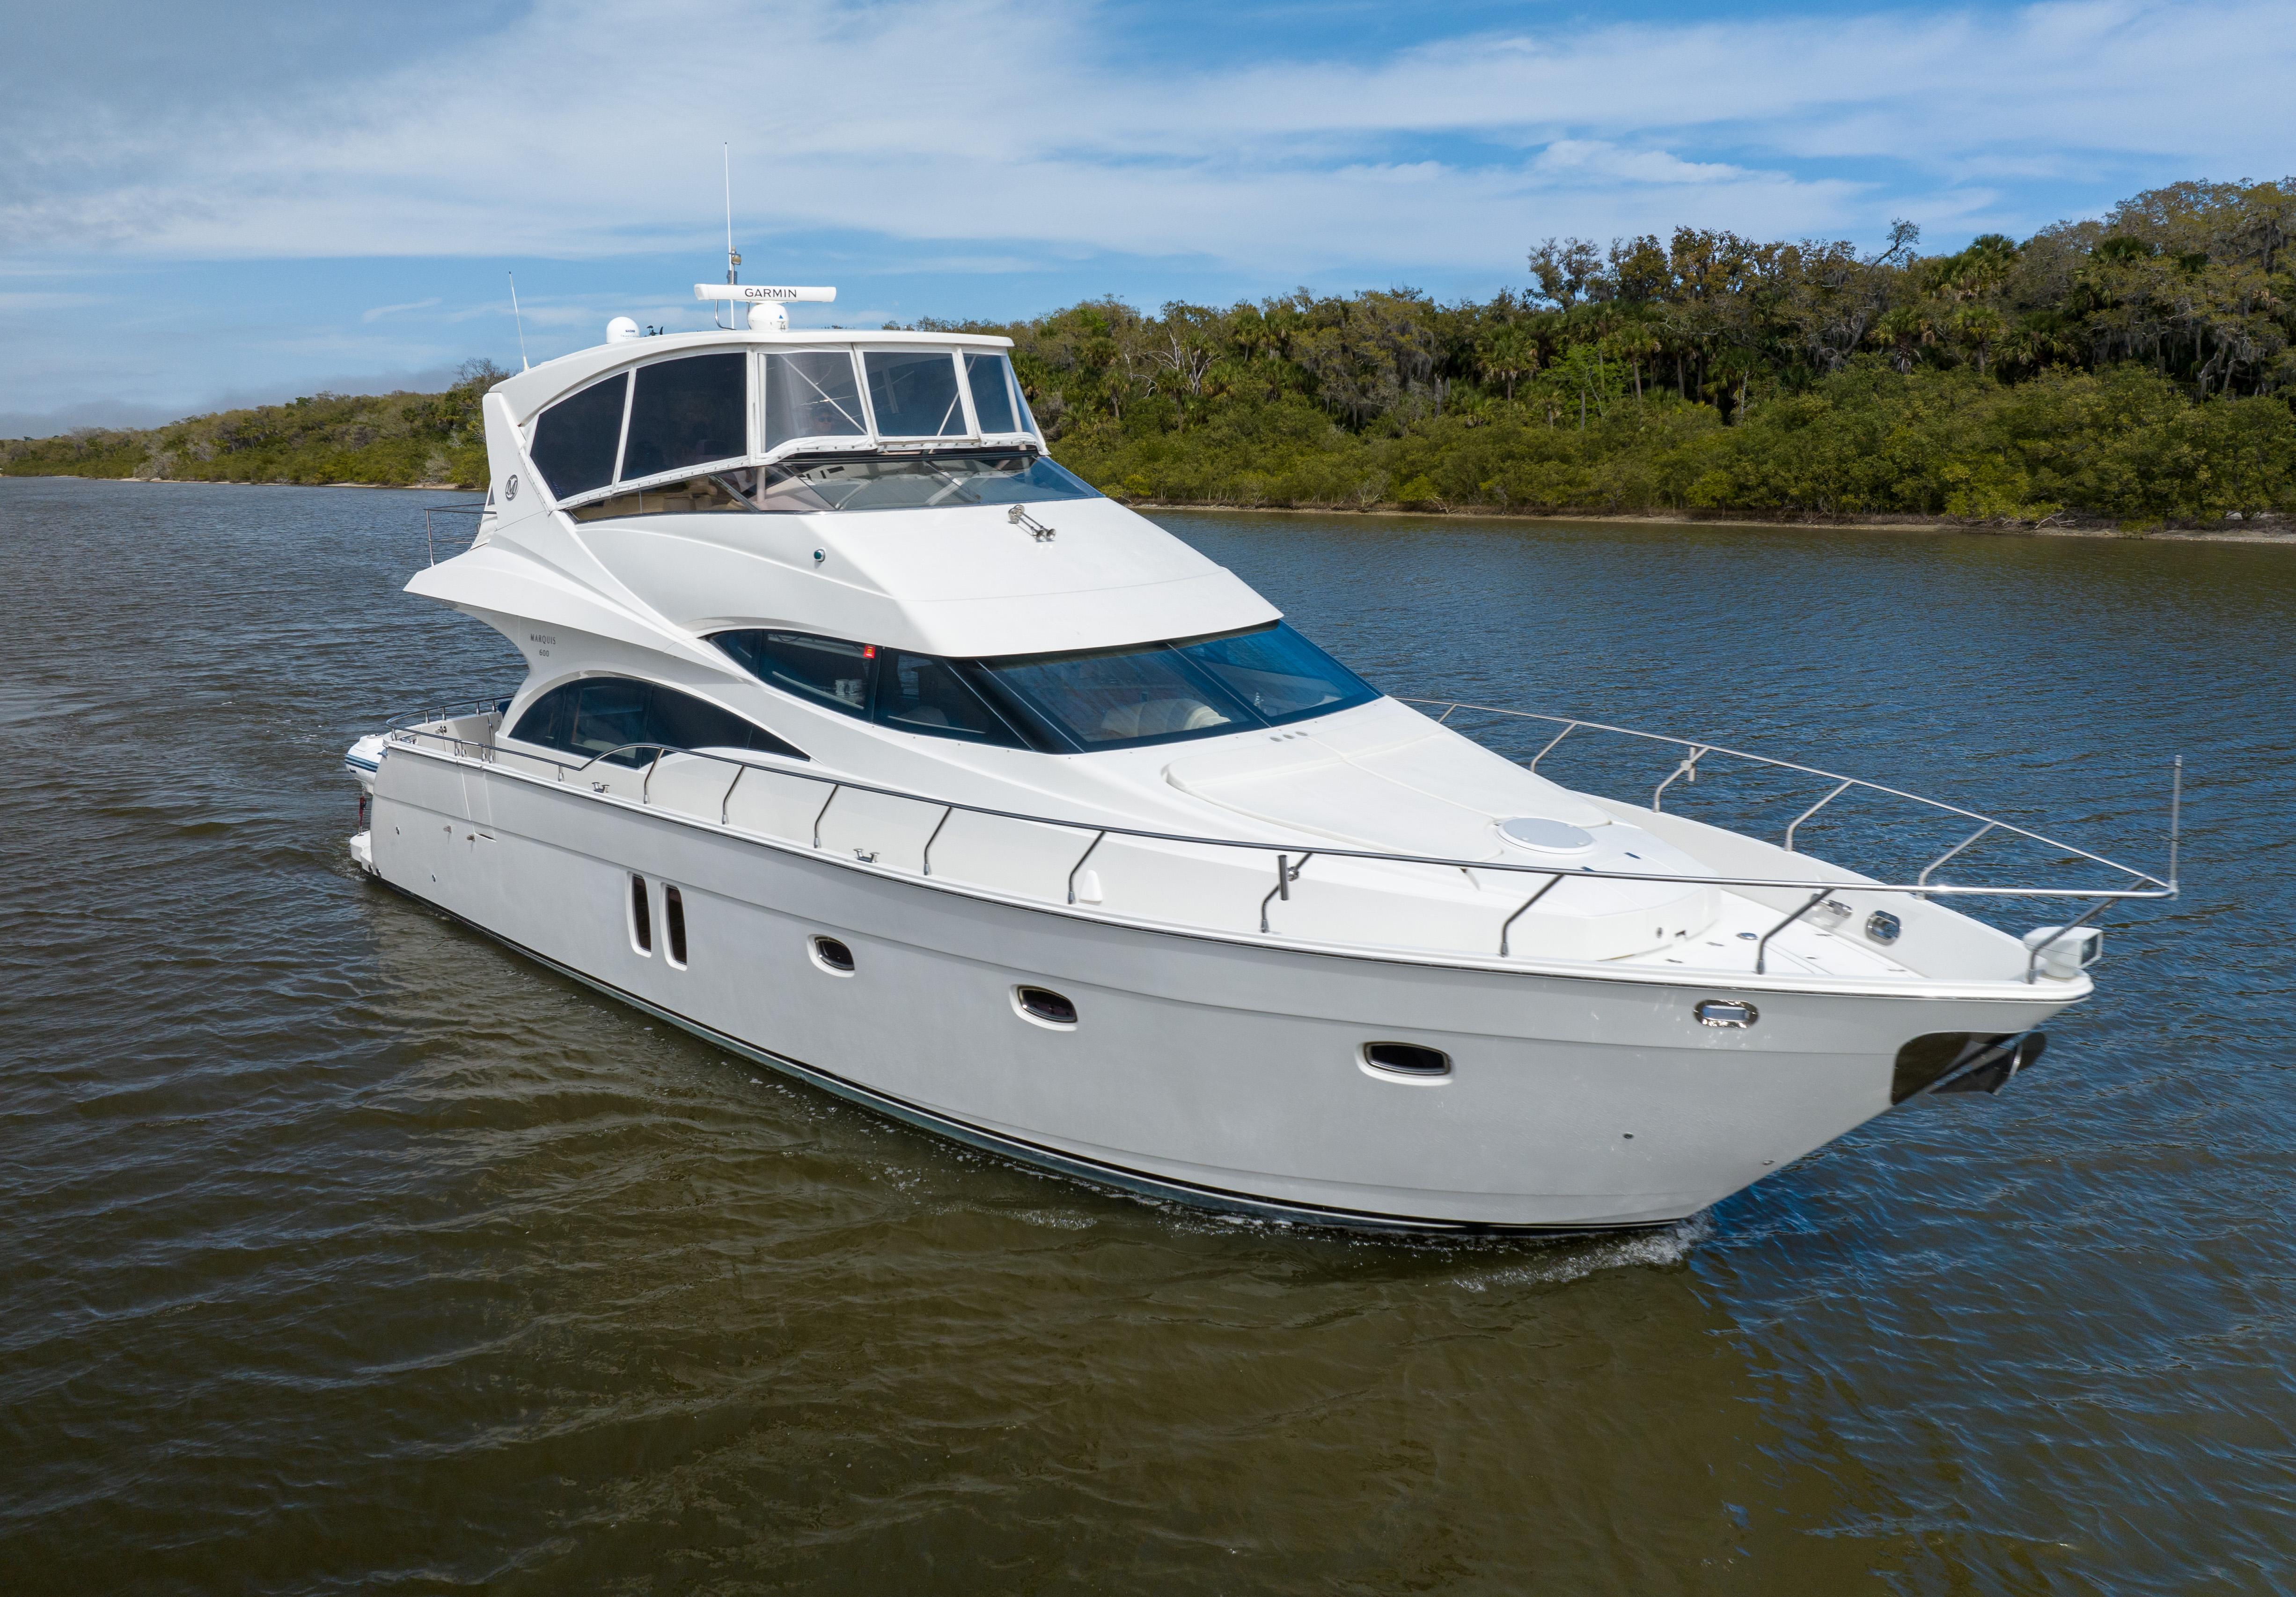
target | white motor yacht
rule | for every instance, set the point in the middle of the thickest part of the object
(861, 739)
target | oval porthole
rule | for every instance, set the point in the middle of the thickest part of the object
(1406, 1059)
(1883, 925)
(1045, 1006)
(832, 956)
(1731, 1015)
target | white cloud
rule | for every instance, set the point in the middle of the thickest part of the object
(927, 121)
(380, 311)
(1567, 158)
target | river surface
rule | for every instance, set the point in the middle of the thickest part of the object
(343, 1251)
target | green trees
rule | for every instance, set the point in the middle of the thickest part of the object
(393, 439)
(2139, 366)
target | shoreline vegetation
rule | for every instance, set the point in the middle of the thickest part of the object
(2131, 374)
(2265, 528)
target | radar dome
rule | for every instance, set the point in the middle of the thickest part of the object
(621, 330)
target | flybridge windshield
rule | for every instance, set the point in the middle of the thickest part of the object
(688, 414)
(917, 482)
(906, 481)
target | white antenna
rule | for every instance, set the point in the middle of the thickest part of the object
(524, 365)
(733, 261)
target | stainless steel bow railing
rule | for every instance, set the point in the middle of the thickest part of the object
(2143, 884)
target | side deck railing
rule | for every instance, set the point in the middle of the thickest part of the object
(2134, 884)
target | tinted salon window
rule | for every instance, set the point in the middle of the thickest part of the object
(686, 411)
(574, 440)
(1160, 692)
(829, 672)
(1279, 674)
(601, 715)
(919, 692)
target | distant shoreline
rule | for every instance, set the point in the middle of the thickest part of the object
(2279, 530)
(226, 482)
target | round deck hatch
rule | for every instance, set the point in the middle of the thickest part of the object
(1554, 837)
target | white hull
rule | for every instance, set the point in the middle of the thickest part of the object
(1212, 1069)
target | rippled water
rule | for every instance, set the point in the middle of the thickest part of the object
(344, 1250)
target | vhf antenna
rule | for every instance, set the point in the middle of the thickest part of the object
(733, 260)
(524, 365)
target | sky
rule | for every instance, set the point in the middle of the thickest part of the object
(248, 200)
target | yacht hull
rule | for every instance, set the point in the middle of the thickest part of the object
(1211, 1071)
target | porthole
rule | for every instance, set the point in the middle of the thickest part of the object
(1045, 1006)
(1730, 1014)
(1407, 1060)
(832, 955)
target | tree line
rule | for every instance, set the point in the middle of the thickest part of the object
(2138, 367)
(392, 439)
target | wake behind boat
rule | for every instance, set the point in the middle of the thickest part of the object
(861, 738)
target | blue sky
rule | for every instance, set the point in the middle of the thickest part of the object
(231, 203)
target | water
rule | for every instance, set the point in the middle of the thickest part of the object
(345, 1251)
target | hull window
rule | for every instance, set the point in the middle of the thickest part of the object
(1406, 1059)
(685, 411)
(624, 720)
(1045, 1006)
(641, 917)
(673, 916)
(832, 955)
(575, 439)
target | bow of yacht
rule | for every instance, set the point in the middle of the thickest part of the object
(862, 739)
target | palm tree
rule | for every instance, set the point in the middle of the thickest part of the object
(1979, 325)
(1508, 355)
(1907, 328)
